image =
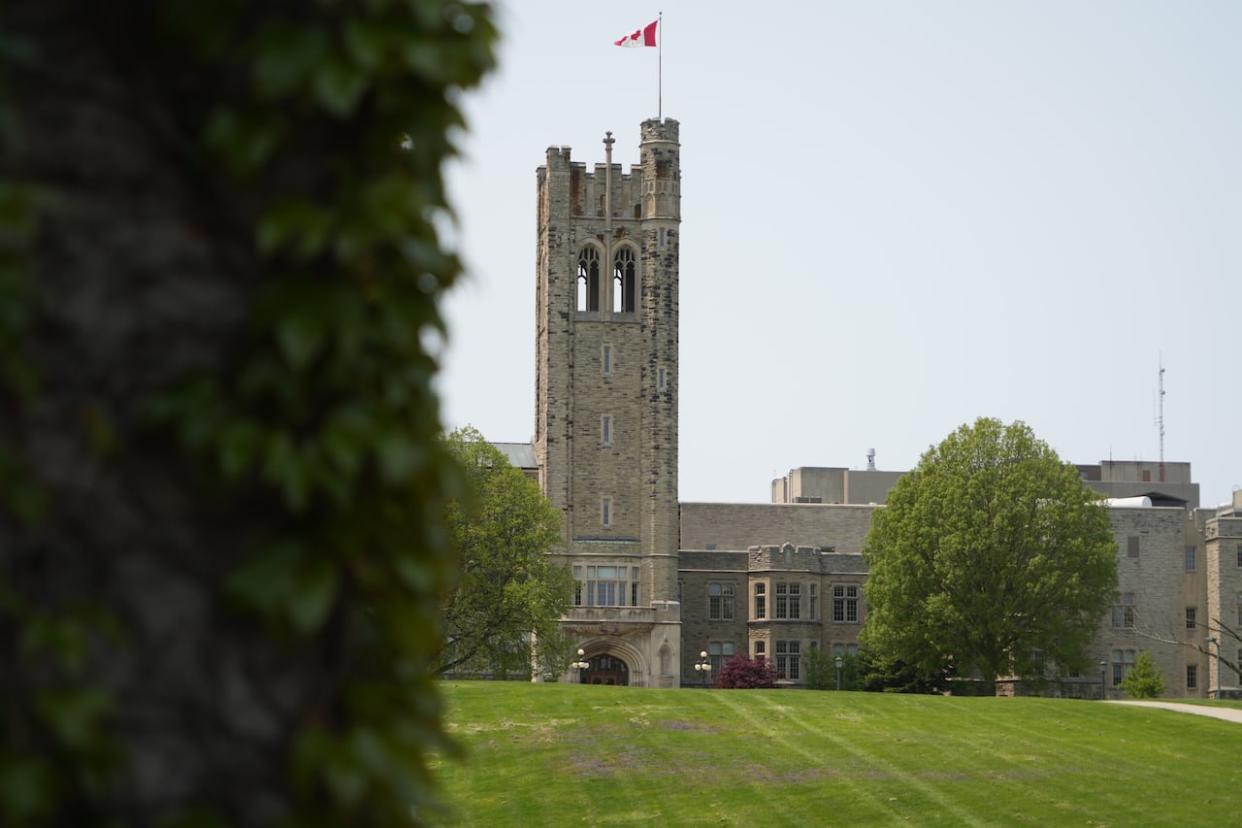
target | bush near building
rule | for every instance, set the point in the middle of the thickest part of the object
(742, 673)
(1144, 680)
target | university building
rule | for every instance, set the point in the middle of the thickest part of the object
(658, 581)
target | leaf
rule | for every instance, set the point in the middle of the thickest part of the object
(26, 788)
(339, 86)
(75, 715)
(398, 456)
(313, 595)
(265, 581)
(288, 58)
(301, 337)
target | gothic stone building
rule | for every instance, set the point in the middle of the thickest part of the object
(658, 581)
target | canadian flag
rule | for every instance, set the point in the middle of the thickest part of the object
(640, 37)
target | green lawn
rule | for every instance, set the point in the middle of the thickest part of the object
(558, 754)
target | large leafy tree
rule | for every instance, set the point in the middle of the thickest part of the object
(991, 555)
(223, 487)
(511, 592)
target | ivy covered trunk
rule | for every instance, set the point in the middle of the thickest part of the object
(221, 489)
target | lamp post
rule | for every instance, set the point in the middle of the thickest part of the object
(840, 661)
(703, 665)
(1103, 687)
(581, 664)
(1210, 641)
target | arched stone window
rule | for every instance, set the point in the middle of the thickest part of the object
(588, 279)
(624, 281)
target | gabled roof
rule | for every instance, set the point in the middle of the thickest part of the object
(520, 455)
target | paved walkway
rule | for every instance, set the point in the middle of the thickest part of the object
(1228, 714)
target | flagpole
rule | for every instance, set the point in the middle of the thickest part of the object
(660, 71)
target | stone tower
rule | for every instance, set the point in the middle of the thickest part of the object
(606, 399)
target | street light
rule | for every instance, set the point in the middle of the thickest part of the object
(581, 663)
(1210, 641)
(840, 661)
(703, 665)
(1103, 690)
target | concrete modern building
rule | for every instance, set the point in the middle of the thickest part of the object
(657, 581)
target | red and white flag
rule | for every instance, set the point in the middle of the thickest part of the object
(646, 36)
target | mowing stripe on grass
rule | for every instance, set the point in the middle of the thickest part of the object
(1119, 801)
(930, 791)
(945, 734)
(761, 726)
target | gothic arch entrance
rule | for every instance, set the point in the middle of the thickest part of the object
(606, 669)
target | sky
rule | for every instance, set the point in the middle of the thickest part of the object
(897, 217)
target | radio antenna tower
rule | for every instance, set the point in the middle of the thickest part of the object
(1160, 412)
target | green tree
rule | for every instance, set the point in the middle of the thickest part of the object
(1143, 680)
(223, 487)
(989, 550)
(509, 589)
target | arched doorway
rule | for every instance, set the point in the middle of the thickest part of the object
(606, 669)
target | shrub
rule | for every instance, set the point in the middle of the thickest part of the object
(820, 669)
(1143, 681)
(742, 673)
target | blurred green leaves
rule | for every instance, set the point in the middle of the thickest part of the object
(315, 435)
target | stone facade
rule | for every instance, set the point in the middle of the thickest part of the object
(606, 395)
(658, 581)
(1222, 553)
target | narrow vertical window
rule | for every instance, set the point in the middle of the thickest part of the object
(1192, 677)
(624, 281)
(795, 600)
(605, 430)
(761, 649)
(761, 602)
(588, 279)
(1192, 619)
(605, 360)
(661, 379)
(605, 512)
(1190, 558)
(813, 597)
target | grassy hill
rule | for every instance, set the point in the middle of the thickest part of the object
(560, 754)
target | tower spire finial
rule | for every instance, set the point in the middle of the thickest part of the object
(608, 142)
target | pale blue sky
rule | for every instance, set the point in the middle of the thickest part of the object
(897, 217)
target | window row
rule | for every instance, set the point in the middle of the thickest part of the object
(605, 586)
(624, 280)
(787, 604)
